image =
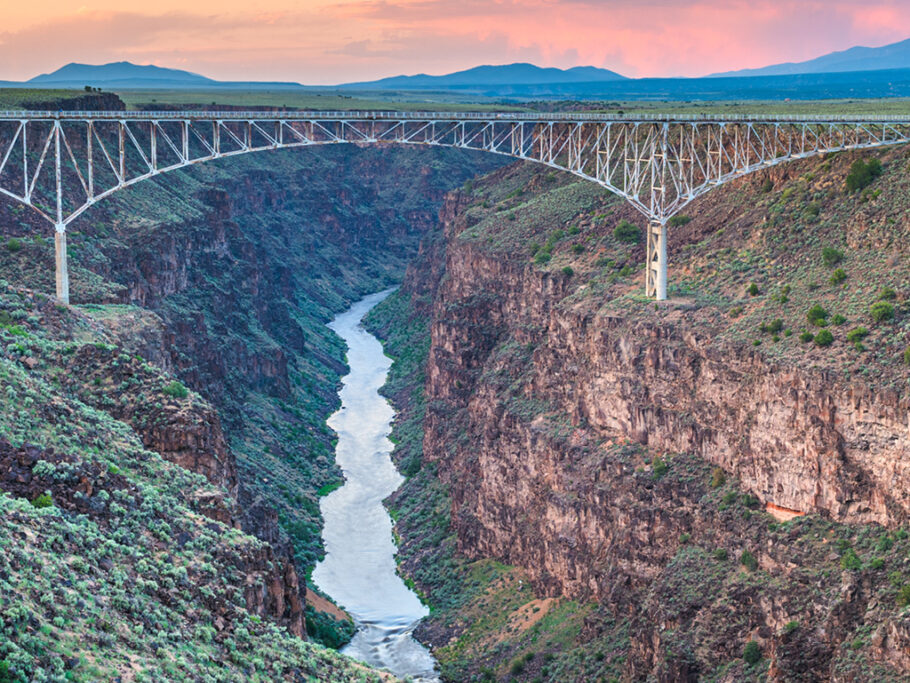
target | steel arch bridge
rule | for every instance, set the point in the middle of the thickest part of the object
(62, 163)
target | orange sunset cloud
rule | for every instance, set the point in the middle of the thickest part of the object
(322, 42)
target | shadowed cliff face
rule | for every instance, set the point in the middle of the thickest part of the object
(604, 447)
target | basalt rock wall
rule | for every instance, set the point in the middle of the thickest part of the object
(533, 397)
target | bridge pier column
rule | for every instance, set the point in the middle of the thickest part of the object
(63, 276)
(656, 266)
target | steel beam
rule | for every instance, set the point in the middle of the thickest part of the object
(657, 163)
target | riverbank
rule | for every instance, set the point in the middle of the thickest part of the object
(359, 570)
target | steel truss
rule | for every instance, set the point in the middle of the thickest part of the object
(62, 163)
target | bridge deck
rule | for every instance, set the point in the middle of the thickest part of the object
(450, 116)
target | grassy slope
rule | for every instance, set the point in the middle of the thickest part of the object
(127, 578)
(556, 223)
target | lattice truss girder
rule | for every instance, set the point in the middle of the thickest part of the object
(61, 166)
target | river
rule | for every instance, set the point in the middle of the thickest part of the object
(359, 570)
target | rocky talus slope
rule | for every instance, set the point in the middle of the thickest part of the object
(707, 489)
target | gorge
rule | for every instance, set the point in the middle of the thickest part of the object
(596, 488)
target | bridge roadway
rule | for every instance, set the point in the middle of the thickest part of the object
(61, 163)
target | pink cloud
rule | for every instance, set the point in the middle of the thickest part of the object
(325, 41)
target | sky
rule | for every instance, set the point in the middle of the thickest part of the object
(326, 42)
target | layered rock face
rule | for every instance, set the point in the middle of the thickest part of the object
(551, 420)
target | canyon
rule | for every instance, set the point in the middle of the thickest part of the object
(199, 329)
(597, 487)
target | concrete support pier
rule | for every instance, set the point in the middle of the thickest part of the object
(63, 276)
(656, 271)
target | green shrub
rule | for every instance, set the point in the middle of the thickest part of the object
(838, 276)
(677, 221)
(626, 232)
(831, 256)
(857, 334)
(767, 186)
(43, 500)
(791, 626)
(751, 653)
(887, 294)
(753, 290)
(903, 595)
(747, 559)
(907, 356)
(772, 327)
(13, 244)
(862, 173)
(824, 338)
(718, 478)
(736, 311)
(817, 315)
(720, 554)
(567, 271)
(838, 319)
(813, 209)
(543, 257)
(784, 295)
(175, 390)
(578, 248)
(850, 560)
(659, 467)
(750, 501)
(881, 311)
(806, 337)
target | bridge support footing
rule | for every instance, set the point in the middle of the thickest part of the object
(63, 276)
(656, 264)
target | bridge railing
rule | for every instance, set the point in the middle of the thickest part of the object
(582, 117)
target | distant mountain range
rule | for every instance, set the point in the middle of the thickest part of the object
(894, 56)
(129, 76)
(484, 77)
(859, 72)
(118, 72)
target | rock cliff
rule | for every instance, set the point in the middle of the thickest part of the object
(592, 441)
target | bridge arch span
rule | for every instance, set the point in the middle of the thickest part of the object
(62, 163)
